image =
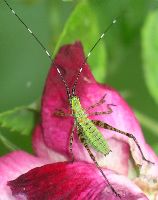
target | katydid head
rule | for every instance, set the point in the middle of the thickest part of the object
(71, 97)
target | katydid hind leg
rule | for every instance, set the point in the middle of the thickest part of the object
(99, 168)
(109, 127)
(71, 142)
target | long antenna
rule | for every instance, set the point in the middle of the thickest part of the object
(85, 60)
(29, 30)
(42, 46)
(64, 81)
(48, 54)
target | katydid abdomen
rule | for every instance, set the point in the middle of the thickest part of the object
(87, 129)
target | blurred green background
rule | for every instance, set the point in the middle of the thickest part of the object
(126, 59)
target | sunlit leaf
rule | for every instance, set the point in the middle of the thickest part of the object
(150, 53)
(149, 123)
(21, 119)
(7, 143)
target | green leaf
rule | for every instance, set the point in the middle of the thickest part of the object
(82, 25)
(21, 119)
(150, 52)
(7, 143)
(155, 148)
(148, 122)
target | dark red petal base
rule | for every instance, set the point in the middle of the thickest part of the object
(58, 181)
(71, 181)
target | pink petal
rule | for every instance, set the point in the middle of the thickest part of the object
(148, 176)
(121, 118)
(12, 166)
(72, 181)
(42, 150)
(57, 130)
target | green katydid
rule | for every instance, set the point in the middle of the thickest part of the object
(87, 130)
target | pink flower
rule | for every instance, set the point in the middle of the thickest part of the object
(52, 175)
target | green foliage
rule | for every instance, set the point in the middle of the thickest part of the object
(7, 143)
(20, 119)
(150, 52)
